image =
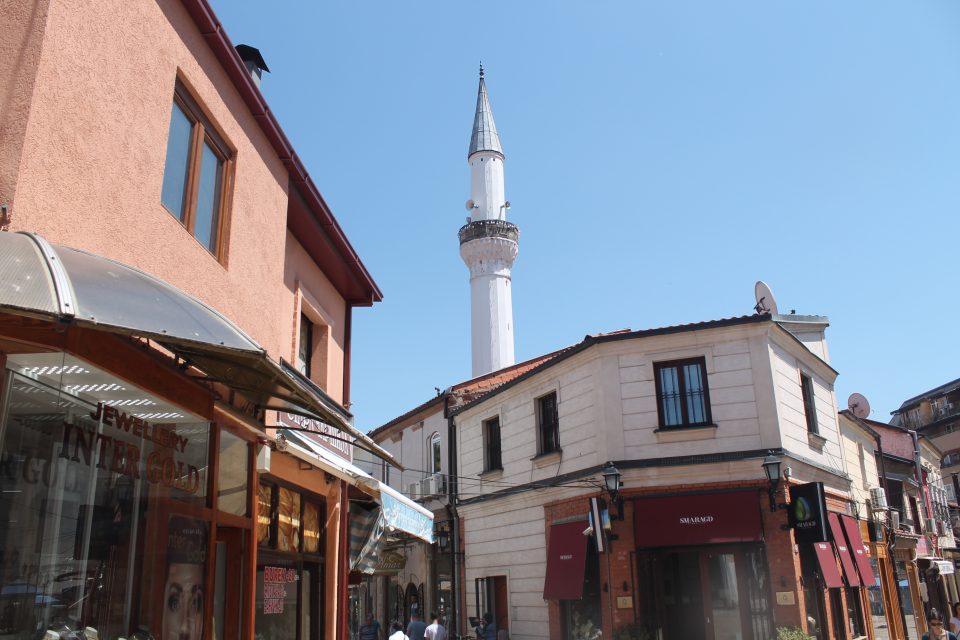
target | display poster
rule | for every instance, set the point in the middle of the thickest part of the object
(183, 591)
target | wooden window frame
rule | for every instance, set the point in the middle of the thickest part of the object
(436, 466)
(541, 425)
(305, 321)
(701, 361)
(488, 458)
(809, 403)
(202, 130)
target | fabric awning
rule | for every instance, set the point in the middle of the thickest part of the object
(566, 561)
(399, 512)
(860, 557)
(828, 565)
(840, 542)
(53, 282)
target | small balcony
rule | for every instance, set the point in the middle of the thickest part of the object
(489, 229)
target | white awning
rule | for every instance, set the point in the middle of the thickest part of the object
(401, 513)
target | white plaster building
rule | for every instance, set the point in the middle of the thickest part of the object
(750, 387)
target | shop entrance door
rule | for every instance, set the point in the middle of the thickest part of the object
(228, 583)
(705, 594)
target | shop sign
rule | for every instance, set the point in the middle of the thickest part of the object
(326, 435)
(390, 562)
(112, 453)
(703, 518)
(275, 581)
(808, 513)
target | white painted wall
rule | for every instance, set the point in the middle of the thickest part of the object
(486, 186)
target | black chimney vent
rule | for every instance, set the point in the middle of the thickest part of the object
(253, 60)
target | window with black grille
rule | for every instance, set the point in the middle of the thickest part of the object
(548, 424)
(683, 399)
(491, 445)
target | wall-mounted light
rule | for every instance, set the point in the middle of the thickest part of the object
(771, 467)
(611, 481)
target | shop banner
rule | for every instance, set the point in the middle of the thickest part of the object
(405, 518)
(808, 513)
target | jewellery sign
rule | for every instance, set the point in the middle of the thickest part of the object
(808, 513)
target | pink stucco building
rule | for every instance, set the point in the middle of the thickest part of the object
(173, 292)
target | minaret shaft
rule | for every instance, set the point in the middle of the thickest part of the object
(488, 246)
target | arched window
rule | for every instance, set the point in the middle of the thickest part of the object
(435, 455)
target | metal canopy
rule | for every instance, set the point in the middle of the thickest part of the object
(54, 282)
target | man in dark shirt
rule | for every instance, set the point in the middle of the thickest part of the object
(370, 629)
(416, 627)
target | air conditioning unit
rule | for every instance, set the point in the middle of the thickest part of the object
(433, 485)
(878, 498)
(895, 520)
(441, 480)
(414, 490)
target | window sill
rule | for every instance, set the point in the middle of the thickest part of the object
(816, 440)
(490, 474)
(686, 434)
(543, 459)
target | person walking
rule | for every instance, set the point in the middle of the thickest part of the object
(487, 630)
(370, 629)
(435, 631)
(937, 631)
(955, 620)
(398, 633)
(416, 627)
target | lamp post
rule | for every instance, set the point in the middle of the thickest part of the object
(771, 467)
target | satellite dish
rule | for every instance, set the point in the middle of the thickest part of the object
(858, 405)
(471, 205)
(766, 303)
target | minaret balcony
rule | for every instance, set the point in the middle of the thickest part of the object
(489, 229)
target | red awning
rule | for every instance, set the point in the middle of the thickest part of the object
(840, 542)
(852, 529)
(828, 564)
(702, 518)
(566, 561)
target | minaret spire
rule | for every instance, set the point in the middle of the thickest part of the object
(488, 245)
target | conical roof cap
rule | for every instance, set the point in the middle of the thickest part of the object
(485, 136)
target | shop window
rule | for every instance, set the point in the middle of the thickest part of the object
(854, 613)
(809, 403)
(234, 464)
(90, 529)
(491, 445)
(682, 394)
(877, 605)
(196, 174)
(288, 521)
(548, 424)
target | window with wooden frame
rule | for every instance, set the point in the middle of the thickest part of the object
(548, 424)
(197, 173)
(809, 403)
(491, 445)
(305, 345)
(683, 399)
(435, 453)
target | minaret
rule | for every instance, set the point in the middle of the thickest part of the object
(488, 245)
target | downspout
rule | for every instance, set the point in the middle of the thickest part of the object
(347, 355)
(452, 492)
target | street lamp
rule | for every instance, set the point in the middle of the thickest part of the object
(443, 537)
(611, 480)
(771, 467)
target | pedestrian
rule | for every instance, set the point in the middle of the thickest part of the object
(370, 629)
(487, 630)
(435, 631)
(937, 632)
(417, 626)
(398, 633)
(955, 620)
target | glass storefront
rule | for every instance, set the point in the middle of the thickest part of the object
(101, 485)
(289, 564)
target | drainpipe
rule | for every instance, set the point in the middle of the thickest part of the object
(452, 492)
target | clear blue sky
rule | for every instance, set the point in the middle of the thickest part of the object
(661, 157)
